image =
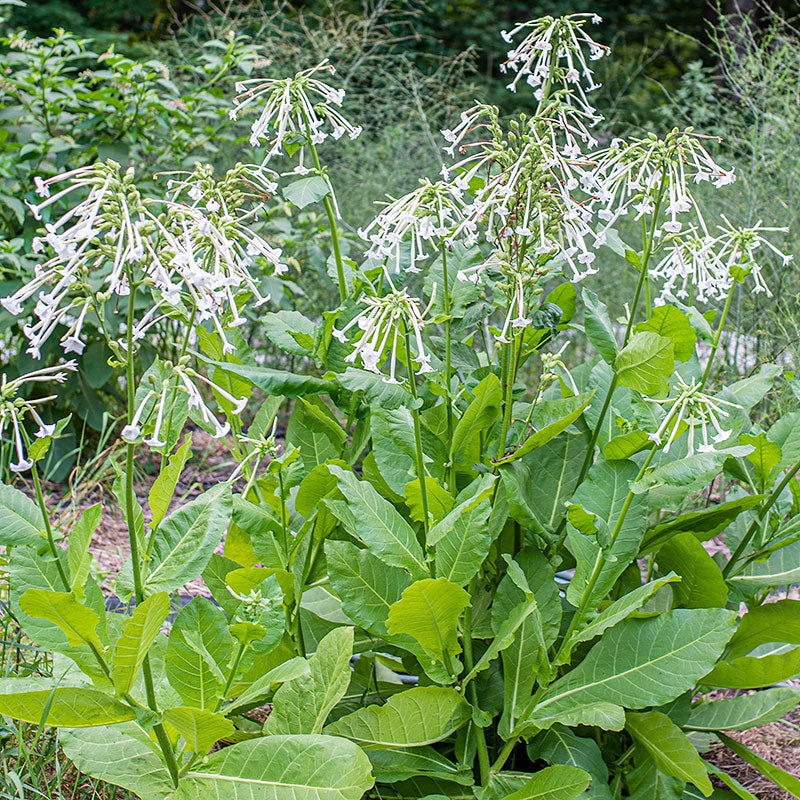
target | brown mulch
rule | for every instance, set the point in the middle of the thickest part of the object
(778, 742)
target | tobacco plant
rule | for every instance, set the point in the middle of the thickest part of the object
(471, 568)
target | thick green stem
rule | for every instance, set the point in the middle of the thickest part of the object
(510, 361)
(420, 460)
(133, 539)
(51, 542)
(448, 367)
(717, 335)
(331, 214)
(472, 694)
(762, 512)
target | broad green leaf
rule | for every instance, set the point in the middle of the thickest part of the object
(670, 322)
(645, 363)
(745, 711)
(621, 608)
(789, 783)
(79, 558)
(428, 611)
(765, 458)
(281, 768)
(317, 483)
(598, 327)
(198, 651)
(365, 584)
(785, 432)
(377, 392)
(376, 523)
(705, 524)
(626, 445)
(689, 473)
(138, 634)
(538, 484)
(290, 331)
(539, 626)
(669, 747)
(771, 622)
(274, 381)
(315, 432)
(572, 407)
(755, 672)
(440, 501)
(560, 745)
(559, 782)
(641, 663)
(20, 519)
(200, 729)
(462, 538)
(702, 584)
(78, 622)
(480, 414)
(780, 568)
(262, 686)
(27, 699)
(186, 539)
(163, 487)
(390, 765)
(122, 755)
(749, 391)
(394, 446)
(303, 705)
(305, 191)
(416, 717)
(603, 494)
(647, 782)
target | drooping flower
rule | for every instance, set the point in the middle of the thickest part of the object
(408, 230)
(14, 407)
(297, 108)
(697, 410)
(553, 56)
(385, 322)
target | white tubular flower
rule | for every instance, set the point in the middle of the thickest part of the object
(692, 406)
(14, 408)
(553, 56)
(691, 263)
(22, 463)
(737, 251)
(392, 316)
(133, 429)
(154, 440)
(300, 106)
(187, 376)
(631, 174)
(422, 219)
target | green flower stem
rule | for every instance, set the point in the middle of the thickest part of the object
(472, 693)
(581, 610)
(130, 500)
(448, 367)
(232, 674)
(511, 356)
(423, 489)
(646, 253)
(717, 336)
(51, 542)
(332, 227)
(762, 513)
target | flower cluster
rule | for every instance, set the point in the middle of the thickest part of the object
(197, 254)
(692, 408)
(421, 219)
(384, 323)
(295, 109)
(13, 408)
(551, 57)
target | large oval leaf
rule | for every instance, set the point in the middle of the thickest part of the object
(310, 767)
(419, 716)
